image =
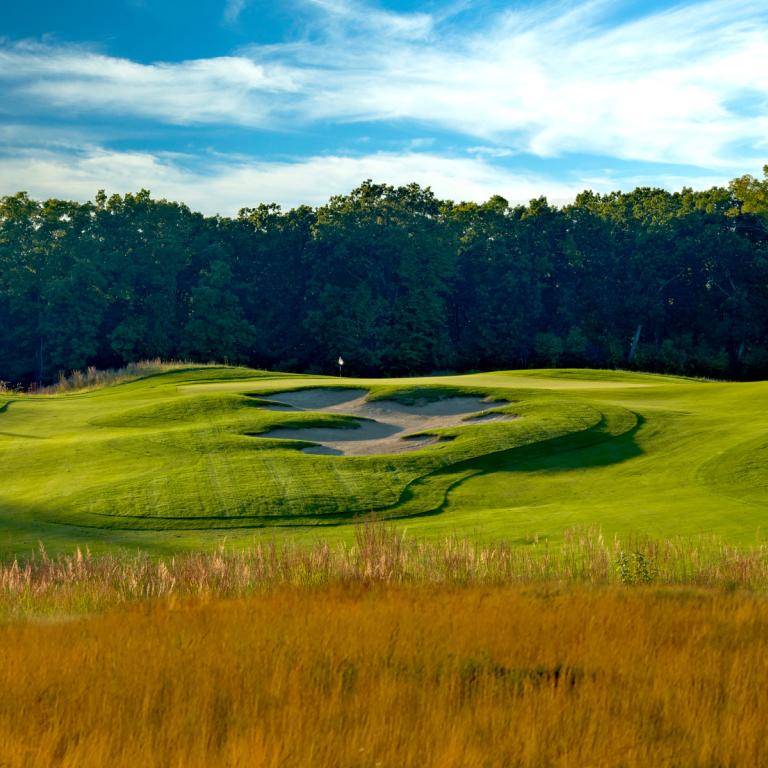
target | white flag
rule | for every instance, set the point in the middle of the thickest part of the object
(341, 362)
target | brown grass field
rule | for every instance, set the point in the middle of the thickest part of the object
(384, 654)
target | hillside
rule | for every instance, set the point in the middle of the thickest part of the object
(189, 458)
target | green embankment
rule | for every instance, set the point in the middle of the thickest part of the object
(171, 462)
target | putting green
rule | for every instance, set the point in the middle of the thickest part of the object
(173, 461)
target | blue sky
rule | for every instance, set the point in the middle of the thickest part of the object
(227, 103)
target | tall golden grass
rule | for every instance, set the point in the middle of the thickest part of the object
(346, 676)
(82, 582)
(96, 378)
(389, 652)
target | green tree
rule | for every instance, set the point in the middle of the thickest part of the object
(217, 329)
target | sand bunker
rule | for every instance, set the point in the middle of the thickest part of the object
(386, 426)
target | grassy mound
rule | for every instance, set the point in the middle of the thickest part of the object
(171, 461)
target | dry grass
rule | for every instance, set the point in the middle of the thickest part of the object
(395, 675)
(94, 378)
(389, 653)
(79, 583)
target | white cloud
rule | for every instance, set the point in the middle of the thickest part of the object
(220, 90)
(225, 184)
(549, 83)
(551, 79)
(350, 17)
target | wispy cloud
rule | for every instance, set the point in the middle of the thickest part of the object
(350, 18)
(549, 80)
(683, 86)
(233, 9)
(235, 90)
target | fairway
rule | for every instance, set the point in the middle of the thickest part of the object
(191, 458)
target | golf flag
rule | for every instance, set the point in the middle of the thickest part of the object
(341, 362)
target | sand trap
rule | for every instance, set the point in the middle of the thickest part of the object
(386, 426)
(320, 399)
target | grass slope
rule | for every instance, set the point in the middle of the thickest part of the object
(169, 461)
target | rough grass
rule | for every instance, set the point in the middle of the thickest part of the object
(95, 378)
(389, 651)
(168, 462)
(344, 675)
(42, 585)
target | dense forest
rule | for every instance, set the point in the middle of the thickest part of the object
(394, 280)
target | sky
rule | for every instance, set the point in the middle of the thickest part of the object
(224, 104)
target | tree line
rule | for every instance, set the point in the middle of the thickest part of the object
(393, 279)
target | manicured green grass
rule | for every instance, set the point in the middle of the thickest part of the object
(169, 462)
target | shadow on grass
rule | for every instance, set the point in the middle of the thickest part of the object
(23, 529)
(428, 494)
(594, 447)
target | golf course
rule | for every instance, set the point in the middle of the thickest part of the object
(384, 384)
(192, 457)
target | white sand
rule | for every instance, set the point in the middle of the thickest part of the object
(386, 426)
